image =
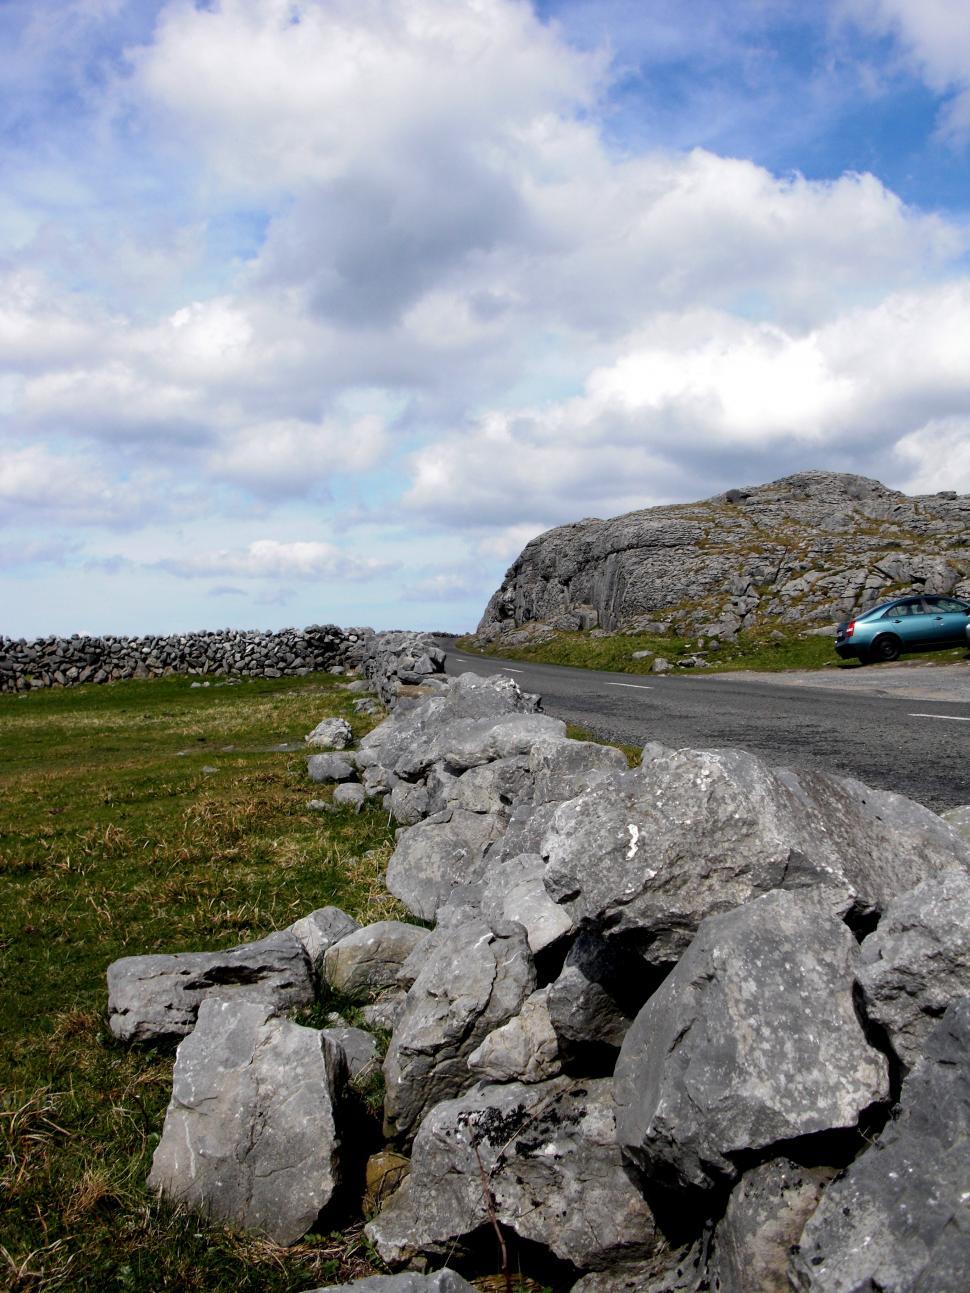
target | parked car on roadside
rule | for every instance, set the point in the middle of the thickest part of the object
(910, 623)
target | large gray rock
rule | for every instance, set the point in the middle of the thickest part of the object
(157, 996)
(474, 981)
(435, 855)
(250, 1136)
(763, 1221)
(331, 734)
(408, 804)
(693, 832)
(751, 1041)
(320, 930)
(514, 890)
(369, 959)
(562, 769)
(525, 1049)
(918, 961)
(443, 1281)
(408, 736)
(897, 1220)
(549, 1158)
(490, 788)
(469, 742)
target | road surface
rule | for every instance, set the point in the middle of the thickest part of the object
(904, 728)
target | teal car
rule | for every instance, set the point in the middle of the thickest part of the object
(885, 631)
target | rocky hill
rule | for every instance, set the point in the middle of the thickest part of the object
(808, 549)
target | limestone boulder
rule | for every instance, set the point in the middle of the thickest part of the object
(490, 788)
(250, 1136)
(475, 979)
(562, 769)
(896, 1221)
(514, 890)
(526, 1049)
(752, 1041)
(158, 996)
(918, 961)
(369, 959)
(653, 851)
(320, 930)
(431, 858)
(547, 1155)
(331, 734)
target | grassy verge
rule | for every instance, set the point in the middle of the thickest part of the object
(772, 651)
(137, 817)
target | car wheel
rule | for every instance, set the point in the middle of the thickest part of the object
(885, 648)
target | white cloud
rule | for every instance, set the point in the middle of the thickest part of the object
(273, 559)
(935, 35)
(937, 456)
(699, 396)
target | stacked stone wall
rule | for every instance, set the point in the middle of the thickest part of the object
(69, 661)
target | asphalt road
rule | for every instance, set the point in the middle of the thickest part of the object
(854, 724)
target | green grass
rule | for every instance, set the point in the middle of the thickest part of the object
(770, 650)
(114, 841)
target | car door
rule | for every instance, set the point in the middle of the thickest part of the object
(908, 621)
(948, 620)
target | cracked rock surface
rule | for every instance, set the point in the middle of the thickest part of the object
(752, 1040)
(250, 1136)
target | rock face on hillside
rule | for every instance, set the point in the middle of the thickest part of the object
(809, 548)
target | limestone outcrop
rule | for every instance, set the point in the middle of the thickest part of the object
(807, 549)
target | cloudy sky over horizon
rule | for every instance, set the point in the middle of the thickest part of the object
(320, 309)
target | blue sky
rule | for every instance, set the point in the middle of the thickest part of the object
(319, 309)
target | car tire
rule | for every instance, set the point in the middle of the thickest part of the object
(885, 648)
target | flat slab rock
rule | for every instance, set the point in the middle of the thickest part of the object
(250, 1136)
(158, 996)
(553, 1167)
(897, 1220)
(751, 1041)
(692, 832)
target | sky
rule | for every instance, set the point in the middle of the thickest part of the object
(319, 310)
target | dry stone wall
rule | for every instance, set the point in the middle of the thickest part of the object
(699, 1025)
(808, 549)
(68, 661)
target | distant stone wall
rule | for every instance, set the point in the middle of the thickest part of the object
(68, 661)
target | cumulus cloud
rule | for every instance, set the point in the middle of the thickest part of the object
(273, 559)
(697, 396)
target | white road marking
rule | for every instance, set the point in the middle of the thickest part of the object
(637, 686)
(954, 718)
(510, 671)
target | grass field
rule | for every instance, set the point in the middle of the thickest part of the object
(770, 650)
(116, 840)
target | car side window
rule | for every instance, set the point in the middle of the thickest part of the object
(900, 609)
(947, 604)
